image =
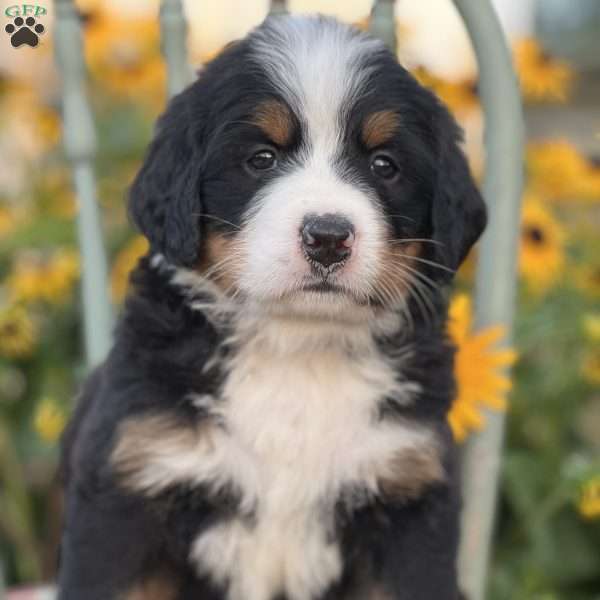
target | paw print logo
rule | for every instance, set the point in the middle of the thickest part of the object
(24, 31)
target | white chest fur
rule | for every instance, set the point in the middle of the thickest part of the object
(304, 425)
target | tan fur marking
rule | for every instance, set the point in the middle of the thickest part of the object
(410, 472)
(378, 593)
(365, 587)
(275, 120)
(379, 127)
(144, 441)
(157, 587)
(374, 592)
(219, 260)
(397, 274)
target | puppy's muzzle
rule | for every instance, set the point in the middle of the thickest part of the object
(327, 239)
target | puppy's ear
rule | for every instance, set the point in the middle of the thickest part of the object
(459, 215)
(164, 200)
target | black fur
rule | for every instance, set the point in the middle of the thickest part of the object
(191, 182)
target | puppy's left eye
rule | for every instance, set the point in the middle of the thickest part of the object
(263, 160)
(384, 167)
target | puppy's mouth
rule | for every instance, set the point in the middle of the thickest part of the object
(325, 287)
(328, 290)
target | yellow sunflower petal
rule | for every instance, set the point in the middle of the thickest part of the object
(542, 77)
(48, 278)
(559, 171)
(589, 502)
(479, 365)
(541, 252)
(49, 420)
(124, 263)
(130, 66)
(18, 334)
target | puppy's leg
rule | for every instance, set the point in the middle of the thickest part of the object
(422, 546)
(111, 551)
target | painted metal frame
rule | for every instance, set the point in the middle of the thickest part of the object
(495, 287)
(79, 138)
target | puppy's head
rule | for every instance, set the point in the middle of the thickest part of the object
(306, 170)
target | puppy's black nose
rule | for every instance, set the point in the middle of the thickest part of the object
(327, 239)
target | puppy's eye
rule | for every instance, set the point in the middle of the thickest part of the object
(263, 160)
(384, 167)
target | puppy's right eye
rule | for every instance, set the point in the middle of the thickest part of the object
(263, 160)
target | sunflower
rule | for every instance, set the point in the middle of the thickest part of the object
(460, 97)
(589, 501)
(124, 263)
(541, 253)
(30, 120)
(50, 279)
(542, 77)
(478, 364)
(49, 420)
(129, 66)
(17, 332)
(558, 171)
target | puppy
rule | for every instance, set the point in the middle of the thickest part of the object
(271, 421)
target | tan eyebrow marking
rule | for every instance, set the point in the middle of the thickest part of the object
(275, 119)
(379, 127)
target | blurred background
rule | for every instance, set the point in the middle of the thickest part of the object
(547, 543)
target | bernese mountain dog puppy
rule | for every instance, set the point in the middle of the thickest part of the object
(271, 421)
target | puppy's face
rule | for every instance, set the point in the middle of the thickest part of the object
(307, 171)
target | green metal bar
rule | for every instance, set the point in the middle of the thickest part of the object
(80, 147)
(496, 273)
(173, 29)
(383, 22)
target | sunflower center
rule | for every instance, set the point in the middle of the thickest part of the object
(534, 234)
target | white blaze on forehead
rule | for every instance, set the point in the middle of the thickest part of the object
(319, 67)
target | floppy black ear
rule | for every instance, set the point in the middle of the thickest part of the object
(164, 200)
(459, 215)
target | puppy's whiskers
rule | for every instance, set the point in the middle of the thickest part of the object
(416, 284)
(393, 297)
(218, 219)
(413, 240)
(431, 263)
